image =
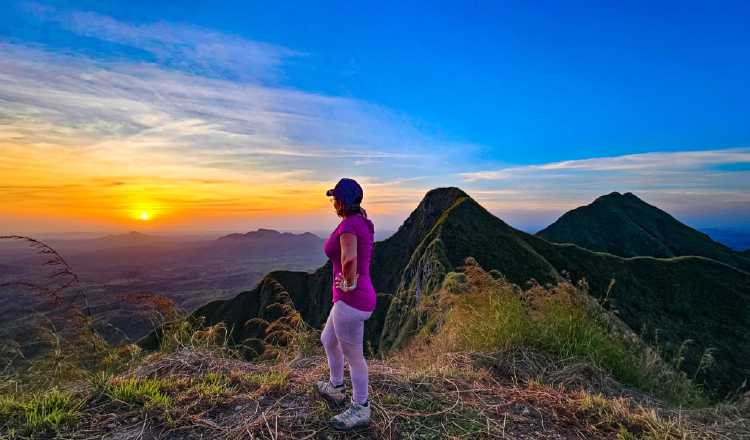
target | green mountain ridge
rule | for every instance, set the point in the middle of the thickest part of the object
(685, 298)
(625, 225)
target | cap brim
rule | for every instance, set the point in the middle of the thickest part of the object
(329, 192)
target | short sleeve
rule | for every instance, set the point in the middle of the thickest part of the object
(347, 225)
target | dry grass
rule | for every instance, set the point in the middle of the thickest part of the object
(481, 311)
(205, 395)
(62, 280)
(60, 342)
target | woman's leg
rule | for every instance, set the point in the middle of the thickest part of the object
(357, 370)
(333, 351)
(349, 328)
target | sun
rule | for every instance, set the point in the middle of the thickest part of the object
(143, 212)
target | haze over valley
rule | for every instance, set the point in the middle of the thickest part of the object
(115, 269)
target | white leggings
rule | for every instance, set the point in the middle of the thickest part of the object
(343, 337)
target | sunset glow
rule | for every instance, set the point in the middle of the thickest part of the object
(196, 127)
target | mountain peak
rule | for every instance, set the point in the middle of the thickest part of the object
(443, 193)
(615, 196)
(132, 235)
(625, 225)
(434, 203)
(440, 199)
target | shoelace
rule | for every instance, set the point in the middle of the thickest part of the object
(351, 412)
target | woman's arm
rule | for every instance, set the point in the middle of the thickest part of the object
(348, 242)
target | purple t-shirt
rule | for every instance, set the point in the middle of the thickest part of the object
(363, 296)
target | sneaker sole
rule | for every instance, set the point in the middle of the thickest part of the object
(328, 398)
(361, 425)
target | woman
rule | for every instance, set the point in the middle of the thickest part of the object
(349, 248)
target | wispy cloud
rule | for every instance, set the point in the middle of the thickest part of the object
(189, 48)
(697, 185)
(70, 122)
(639, 164)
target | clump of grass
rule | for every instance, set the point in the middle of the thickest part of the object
(213, 386)
(99, 381)
(484, 312)
(189, 332)
(305, 340)
(140, 391)
(454, 282)
(464, 423)
(565, 326)
(288, 337)
(636, 422)
(267, 382)
(40, 413)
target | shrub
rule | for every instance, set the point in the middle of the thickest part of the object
(485, 312)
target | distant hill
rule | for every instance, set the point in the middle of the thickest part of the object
(127, 237)
(270, 236)
(684, 298)
(137, 250)
(132, 238)
(624, 225)
(268, 242)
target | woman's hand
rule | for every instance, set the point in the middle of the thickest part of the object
(340, 282)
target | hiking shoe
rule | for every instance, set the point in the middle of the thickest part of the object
(334, 394)
(355, 416)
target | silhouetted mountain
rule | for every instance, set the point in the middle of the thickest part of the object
(683, 298)
(270, 236)
(267, 242)
(136, 251)
(132, 238)
(624, 225)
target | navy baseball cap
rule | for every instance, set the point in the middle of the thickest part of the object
(348, 191)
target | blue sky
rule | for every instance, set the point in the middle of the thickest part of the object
(533, 108)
